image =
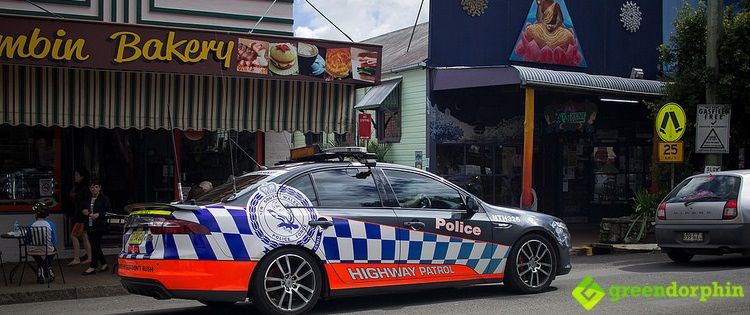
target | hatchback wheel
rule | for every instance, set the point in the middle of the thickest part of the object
(679, 256)
(532, 265)
(287, 281)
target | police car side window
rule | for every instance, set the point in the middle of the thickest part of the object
(419, 191)
(342, 188)
(304, 185)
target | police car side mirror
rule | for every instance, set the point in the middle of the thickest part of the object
(471, 204)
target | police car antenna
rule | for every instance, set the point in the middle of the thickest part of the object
(174, 150)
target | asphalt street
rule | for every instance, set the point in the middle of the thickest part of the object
(606, 270)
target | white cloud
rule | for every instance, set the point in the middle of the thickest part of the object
(360, 19)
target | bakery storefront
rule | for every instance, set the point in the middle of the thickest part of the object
(145, 109)
(536, 104)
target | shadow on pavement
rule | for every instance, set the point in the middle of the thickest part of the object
(382, 302)
(698, 264)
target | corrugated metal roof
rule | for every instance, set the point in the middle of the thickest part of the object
(394, 47)
(378, 95)
(583, 81)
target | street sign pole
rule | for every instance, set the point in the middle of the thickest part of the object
(714, 30)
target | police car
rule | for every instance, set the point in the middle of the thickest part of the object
(332, 223)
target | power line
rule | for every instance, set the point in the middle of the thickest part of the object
(329, 21)
(45, 10)
(415, 26)
(261, 17)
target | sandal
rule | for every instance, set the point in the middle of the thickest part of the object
(86, 272)
(74, 262)
(85, 262)
(104, 268)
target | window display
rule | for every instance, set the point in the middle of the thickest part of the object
(27, 168)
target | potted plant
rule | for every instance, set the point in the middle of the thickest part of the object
(644, 212)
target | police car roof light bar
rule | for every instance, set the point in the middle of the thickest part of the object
(339, 154)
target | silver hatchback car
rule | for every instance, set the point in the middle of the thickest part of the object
(707, 214)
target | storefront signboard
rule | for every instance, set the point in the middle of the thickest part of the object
(670, 122)
(571, 116)
(671, 152)
(365, 125)
(127, 47)
(712, 128)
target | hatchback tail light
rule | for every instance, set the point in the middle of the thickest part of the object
(730, 210)
(661, 212)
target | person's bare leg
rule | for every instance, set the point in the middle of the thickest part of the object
(76, 250)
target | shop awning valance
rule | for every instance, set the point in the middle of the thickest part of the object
(468, 77)
(381, 95)
(92, 98)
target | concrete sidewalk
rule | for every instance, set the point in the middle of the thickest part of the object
(585, 239)
(76, 285)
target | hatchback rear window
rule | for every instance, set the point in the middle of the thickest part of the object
(706, 188)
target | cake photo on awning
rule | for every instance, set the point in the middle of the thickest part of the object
(283, 57)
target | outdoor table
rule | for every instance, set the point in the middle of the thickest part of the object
(21, 252)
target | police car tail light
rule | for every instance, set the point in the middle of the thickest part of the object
(661, 212)
(730, 210)
(173, 226)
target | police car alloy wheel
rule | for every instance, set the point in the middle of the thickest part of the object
(532, 265)
(288, 281)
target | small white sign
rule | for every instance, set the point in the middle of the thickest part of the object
(712, 128)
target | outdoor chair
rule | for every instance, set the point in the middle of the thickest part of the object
(36, 237)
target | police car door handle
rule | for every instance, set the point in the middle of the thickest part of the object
(321, 223)
(415, 225)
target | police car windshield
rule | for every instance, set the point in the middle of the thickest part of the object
(224, 191)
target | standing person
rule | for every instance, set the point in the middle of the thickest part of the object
(80, 196)
(97, 226)
(44, 261)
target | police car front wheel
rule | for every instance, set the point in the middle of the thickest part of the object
(288, 281)
(532, 265)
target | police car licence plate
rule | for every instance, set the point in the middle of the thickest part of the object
(692, 237)
(136, 238)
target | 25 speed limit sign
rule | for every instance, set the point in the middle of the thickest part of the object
(671, 152)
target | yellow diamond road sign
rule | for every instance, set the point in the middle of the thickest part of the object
(670, 122)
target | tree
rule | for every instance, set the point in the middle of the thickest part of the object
(684, 59)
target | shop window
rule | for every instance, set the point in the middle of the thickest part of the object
(27, 171)
(388, 123)
(313, 138)
(389, 126)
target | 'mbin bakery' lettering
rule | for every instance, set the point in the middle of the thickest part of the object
(129, 48)
(36, 46)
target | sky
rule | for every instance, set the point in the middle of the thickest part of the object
(360, 19)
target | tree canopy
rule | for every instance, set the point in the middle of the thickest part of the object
(684, 63)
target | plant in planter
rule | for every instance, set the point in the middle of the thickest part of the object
(380, 149)
(644, 212)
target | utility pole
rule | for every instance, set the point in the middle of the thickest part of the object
(714, 31)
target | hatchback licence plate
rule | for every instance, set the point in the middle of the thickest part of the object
(136, 238)
(692, 237)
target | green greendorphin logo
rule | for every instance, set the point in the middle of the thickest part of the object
(589, 293)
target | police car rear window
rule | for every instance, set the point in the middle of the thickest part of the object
(223, 191)
(706, 188)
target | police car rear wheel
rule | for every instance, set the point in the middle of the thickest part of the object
(289, 281)
(532, 265)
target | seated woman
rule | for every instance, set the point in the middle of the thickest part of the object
(547, 40)
(42, 256)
